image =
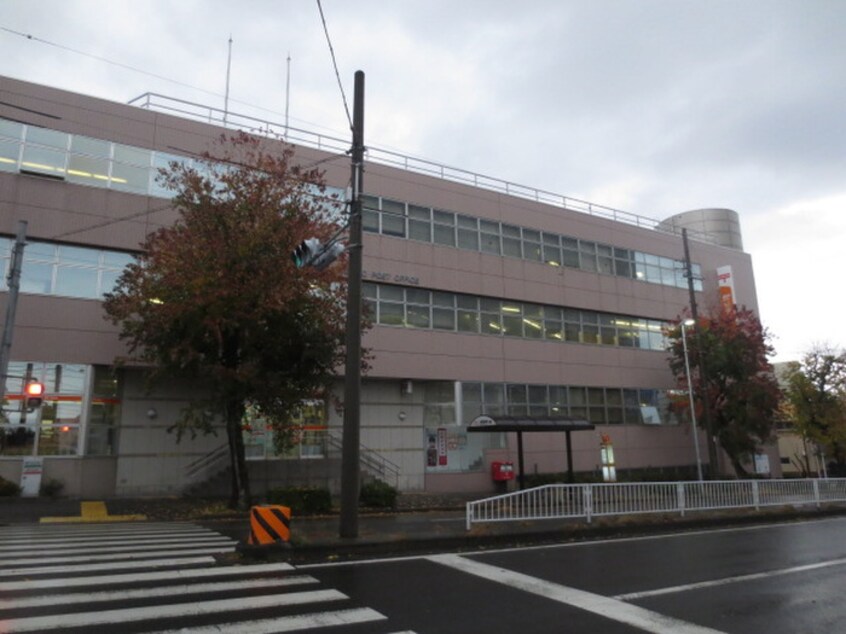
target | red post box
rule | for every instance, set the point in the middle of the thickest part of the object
(502, 471)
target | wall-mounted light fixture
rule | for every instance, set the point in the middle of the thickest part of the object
(152, 413)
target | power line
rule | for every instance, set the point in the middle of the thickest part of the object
(105, 60)
(149, 74)
(335, 64)
(112, 221)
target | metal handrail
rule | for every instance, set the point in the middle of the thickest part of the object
(573, 501)
(371, 460)
(255, 125)
(197, 469)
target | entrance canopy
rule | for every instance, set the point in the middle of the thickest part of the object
(520, 424)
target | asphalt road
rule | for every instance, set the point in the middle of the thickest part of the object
(780, 578)
(785, 578)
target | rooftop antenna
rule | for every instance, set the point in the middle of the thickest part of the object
(226, 99)
(287, 94)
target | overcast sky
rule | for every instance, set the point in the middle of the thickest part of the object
(650, 106)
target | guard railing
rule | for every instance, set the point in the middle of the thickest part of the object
(565, 501)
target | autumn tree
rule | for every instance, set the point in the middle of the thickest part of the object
(815, 400)
(216, 299)
(739, 384)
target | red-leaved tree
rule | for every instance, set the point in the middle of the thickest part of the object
(215, 298)
(741, 390)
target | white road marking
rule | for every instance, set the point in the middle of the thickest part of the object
(149, 593)
(105, 527)
(606, 607)
(111, 538)
(187, 573)
(288, 623)
(631, 596)
(161, 552)
(76, 549)
(112, 565)
(109, 617)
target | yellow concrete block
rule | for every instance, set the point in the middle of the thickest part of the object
(92, 512)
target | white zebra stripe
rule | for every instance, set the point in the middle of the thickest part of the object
(112, 565)
(150, 593)
(112, 547)
(110, 617)
(187, 573)
(162, 552)
(287, 623)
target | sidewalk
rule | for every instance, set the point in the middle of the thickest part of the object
(409, 531)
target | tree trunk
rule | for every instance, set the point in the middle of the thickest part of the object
(235, 486)
(241, 459)
(738, 466)
(239, 497)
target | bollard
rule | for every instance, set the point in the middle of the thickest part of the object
(269, 524)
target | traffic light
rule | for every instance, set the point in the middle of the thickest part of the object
(312, 252)
(34, 395)
(306, 252)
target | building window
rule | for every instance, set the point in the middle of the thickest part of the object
(103, 413)
(53, 269)
(444, 227)
(419, 223)
(410, 307)
(308, 434)
(468, 233)
(599, 405)
(55, 428)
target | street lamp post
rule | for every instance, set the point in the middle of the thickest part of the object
(684, 325)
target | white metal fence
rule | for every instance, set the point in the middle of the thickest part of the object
(560, 501)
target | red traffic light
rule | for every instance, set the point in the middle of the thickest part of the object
(34, 395)
(34, 388)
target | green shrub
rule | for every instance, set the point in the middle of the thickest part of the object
(378, 494)
(8, 489)
(51, 488)
(302, 500)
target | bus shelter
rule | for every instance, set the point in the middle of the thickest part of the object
(523, 424)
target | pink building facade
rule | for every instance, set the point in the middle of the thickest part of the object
(485, 299)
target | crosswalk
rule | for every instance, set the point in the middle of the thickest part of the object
(156, 577)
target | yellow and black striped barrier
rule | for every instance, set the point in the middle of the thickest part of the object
(269, 524)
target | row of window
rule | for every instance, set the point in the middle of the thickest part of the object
(405, 220)
(408, 307)
(599, 405)
(56, 269)
(97, 163)
(88, 161)
(81, 159)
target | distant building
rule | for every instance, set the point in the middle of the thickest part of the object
(486, 297)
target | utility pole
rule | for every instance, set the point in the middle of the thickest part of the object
(703, 389)
(13, 281)
(350, 467)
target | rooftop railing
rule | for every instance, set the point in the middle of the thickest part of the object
(327, 143)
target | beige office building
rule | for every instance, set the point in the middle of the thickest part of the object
(486, 297)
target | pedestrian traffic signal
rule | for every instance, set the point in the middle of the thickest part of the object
(34, 395)
(312, 252)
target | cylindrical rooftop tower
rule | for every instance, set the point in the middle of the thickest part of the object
(722, 226)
